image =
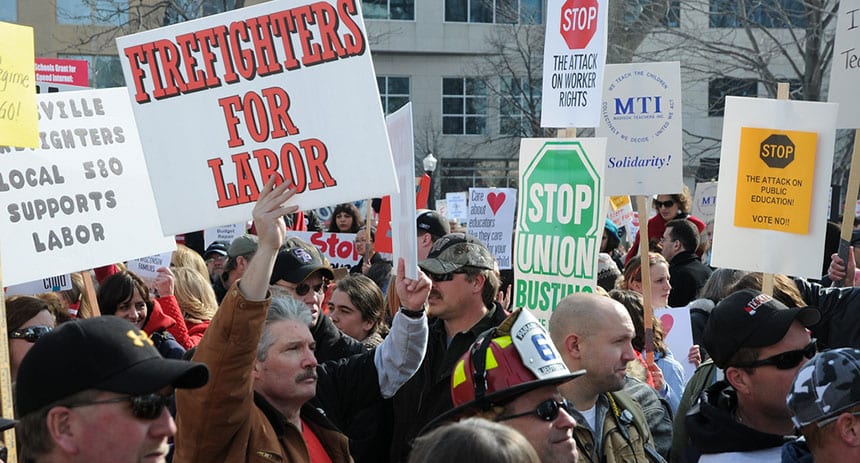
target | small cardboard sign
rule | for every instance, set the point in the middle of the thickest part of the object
(620, 210)
(226, 233)
(457, 206)
(147, 267)
(491, 220)
(18, 118)
(284, 88)
(844, 66)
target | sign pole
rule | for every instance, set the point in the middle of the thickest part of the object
(645, 273)
(90, 293)
(6, 402)
(848, 210)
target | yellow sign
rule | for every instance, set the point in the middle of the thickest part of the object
(19, 122)
(775, 172)
(618, 202)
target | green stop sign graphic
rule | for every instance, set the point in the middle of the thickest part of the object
(559, 221)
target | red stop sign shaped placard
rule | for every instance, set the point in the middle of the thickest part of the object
(578, 22)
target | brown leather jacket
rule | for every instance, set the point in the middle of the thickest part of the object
(224, 421)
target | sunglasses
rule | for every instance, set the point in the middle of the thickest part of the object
(784, 361)
(667, 203)
(303, 289)
(443, 276)
(144, 407)
(31, 333)
(547, 410)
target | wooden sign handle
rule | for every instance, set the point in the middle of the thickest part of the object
(645, 273)
(848, 211)
(6, 402)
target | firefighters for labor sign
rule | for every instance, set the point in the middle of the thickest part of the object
(573, 61)
(560, 222)
(772, 197)
(281, 88)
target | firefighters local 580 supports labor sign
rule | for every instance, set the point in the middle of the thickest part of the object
(561, 220)
(281, 88)
(771, 208)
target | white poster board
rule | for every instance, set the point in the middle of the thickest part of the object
(620, 210)
(338, 248)
(846, 61)
(404, 236)
(574, 57)
(235, 112)
(457, 206)
(641, 120)
(45, 285)
(81, 200)
(678, 335)
(767, 249)
(491, 220)
(705, 201)
(560, 220)
(147, 267)
(226, 233)
(442, 207)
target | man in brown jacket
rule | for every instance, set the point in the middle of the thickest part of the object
(264, 373)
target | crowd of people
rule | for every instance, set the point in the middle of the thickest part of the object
(257, 350)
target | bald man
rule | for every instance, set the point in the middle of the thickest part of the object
(594, 333)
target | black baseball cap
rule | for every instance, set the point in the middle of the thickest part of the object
(296, 260)
(749, 318)
(217, 247)
(432, 222)
(105, 353)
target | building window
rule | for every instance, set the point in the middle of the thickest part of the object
(494, 11)
(388, 9)
(519, 105)
(9, 10)
(393, 91)
(719, 89)
(672, 18)
(464, 106)
(105, 71)
(778, 14)
(92, 12)
(178, 11)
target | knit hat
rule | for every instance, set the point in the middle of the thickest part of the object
(607, 271)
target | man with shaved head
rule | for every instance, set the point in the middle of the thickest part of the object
(594, 333)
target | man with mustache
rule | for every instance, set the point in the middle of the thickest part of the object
(462, 302)
(269, 399)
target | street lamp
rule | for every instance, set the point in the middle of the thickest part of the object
(429, 163)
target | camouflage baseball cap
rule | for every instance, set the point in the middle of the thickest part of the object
(456, 250)
(826, 386)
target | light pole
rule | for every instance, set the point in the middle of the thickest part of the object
(429, 163)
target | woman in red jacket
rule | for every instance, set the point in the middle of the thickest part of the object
(668, 207)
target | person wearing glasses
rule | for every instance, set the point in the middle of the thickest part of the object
(494, 381)
(595, 333)
(28, 318)
(269, 398)
(825, 402)
(97, 390)
(462, 304)
(668, 207)
(759, 344)
(376, 267)
(686, 271)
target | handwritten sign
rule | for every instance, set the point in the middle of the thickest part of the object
(846, 62)
(620, 210)
(491, 220)
(280, 88)
(81, 200)
(18, 118)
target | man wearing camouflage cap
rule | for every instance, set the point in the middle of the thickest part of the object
(825, 400)
(462, 302)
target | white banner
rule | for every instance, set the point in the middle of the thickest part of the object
(280, 88)
(45, 285)
(491, 220)
(147, 267)
(573, 60)
(81, 200)
(338, 248)
(457, 206)
(843, 68)
(226, 233)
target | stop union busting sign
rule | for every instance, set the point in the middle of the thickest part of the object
(560, 221)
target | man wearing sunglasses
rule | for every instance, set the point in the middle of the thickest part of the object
(97, 390)
(492, 380)
(595, 333)
(462, 301)
(825, 401)
(760, 344)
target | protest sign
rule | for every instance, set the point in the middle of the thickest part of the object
(573, 60)
(338, 248)
(774, 183)
(45, 285)
(442, 207)
(561, 220)
(280, 88)
(641, 120)
(405, 233)
(83, 199)
(491, 220)
(71, 72)
(18, 118)
(457, 206)
(226, 233)
(147, 267)
(620, 210)
(678, 335)
(705, 201)
(846, 60)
